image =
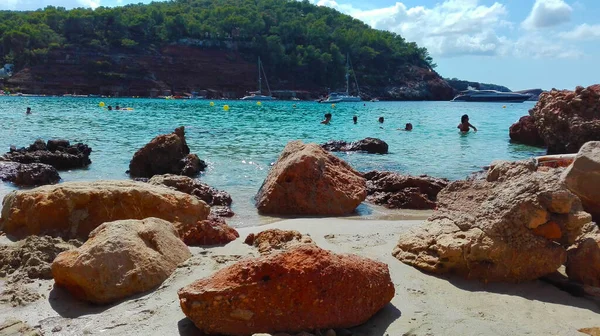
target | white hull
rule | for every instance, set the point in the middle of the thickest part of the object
(257, 97)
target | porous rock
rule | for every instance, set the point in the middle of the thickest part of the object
(119, 259)
(275, 239)
(304, 288)
(515, 226)
(583, 177)
(28, 174)
(306, 180)
(396, 191)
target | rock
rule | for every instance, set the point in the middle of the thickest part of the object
(276, 239)
(566, 120)
(146, 252)
(31, 257)
(211, 231)
(583, 262)
(12, 327)
(369, 145)
(30, 174)
(306, 180)
(590, 331)
(583, 177)
(396, 191)
(166, 154)
(74, 209)
(54, 154)
(203, 191)
(524, 131)
(304, 288)
(515, 226)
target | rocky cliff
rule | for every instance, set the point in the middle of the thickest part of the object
(180, 69)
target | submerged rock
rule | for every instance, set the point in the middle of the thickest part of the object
(74, 209)
(57, 153)
(369, 145)
(166, 154)
(396, 191)
(524, 131)
(304, 288)
(567, 119)
(514, 226)
(120, 259)
(28, 174)
(306, 180)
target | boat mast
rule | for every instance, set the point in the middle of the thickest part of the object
(259, 78)
(347, 74)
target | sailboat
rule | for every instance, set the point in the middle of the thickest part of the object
(257, 95)
(336, 97)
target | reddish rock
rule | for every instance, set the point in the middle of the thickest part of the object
(120, 259)
(583, 261)
(211, 231)
(514, 226)
(396, 191)
(583, 177)
(306, 180)
(305, 288)
(166, 154)
(276, 239)
(566, 120)
(524, 131)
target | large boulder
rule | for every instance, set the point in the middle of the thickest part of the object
(396, 191)
(28, 174)
(583, 261)
(58, 153)
(210, 195)
(74, 209)
(524, 131)
(583, 177)
(166, 154)
(369, 145)
(120, 259)
(514, 226)
(568, 119)
(306, 180)
(304, 288)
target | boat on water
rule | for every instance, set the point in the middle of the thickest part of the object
(338, 97)
(257, 95)
(490, 96)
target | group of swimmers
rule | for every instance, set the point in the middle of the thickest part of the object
(464, 125)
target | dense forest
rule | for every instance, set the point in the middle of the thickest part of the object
(293, 38)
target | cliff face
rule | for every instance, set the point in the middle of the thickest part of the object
(179, 69)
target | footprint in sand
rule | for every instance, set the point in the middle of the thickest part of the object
(357, 241)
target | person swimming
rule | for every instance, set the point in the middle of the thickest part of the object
(109, 108)
(28, 110)
(381, 120)
(408, 127)
(355, 119)
(465, 124)
(117, 107)
(327, 119)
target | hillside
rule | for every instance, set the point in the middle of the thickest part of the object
(190, 45)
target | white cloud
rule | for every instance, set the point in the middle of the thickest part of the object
(537, 46)
(39, 4)
(547, 13)
(583, 32)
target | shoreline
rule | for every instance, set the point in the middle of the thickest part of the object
(424, 304)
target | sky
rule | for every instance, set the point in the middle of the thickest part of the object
(521, 44)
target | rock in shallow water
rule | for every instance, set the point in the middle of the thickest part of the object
(28, 174)
(369, 145)
(304, 288)
(513, 227)
(57, 153)
(120, 259)
(306, 180)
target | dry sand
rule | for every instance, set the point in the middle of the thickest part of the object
(423, 305)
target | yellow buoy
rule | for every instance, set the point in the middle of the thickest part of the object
(332, 105)
(226, 107)
(504, 106)
(212, 104)
(258, 103)
(101, 104)
(294, 106)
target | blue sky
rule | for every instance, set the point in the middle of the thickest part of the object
(518, 43)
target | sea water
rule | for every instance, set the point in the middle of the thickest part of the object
(241, 144)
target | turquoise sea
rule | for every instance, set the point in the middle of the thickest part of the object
(240, 144)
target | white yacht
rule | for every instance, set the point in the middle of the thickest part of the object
(257, 95)
(490, 96)
(337, 97)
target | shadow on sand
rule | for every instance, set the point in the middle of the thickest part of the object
(375, 326)
(538, 290)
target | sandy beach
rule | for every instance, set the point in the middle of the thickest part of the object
(423, 304)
